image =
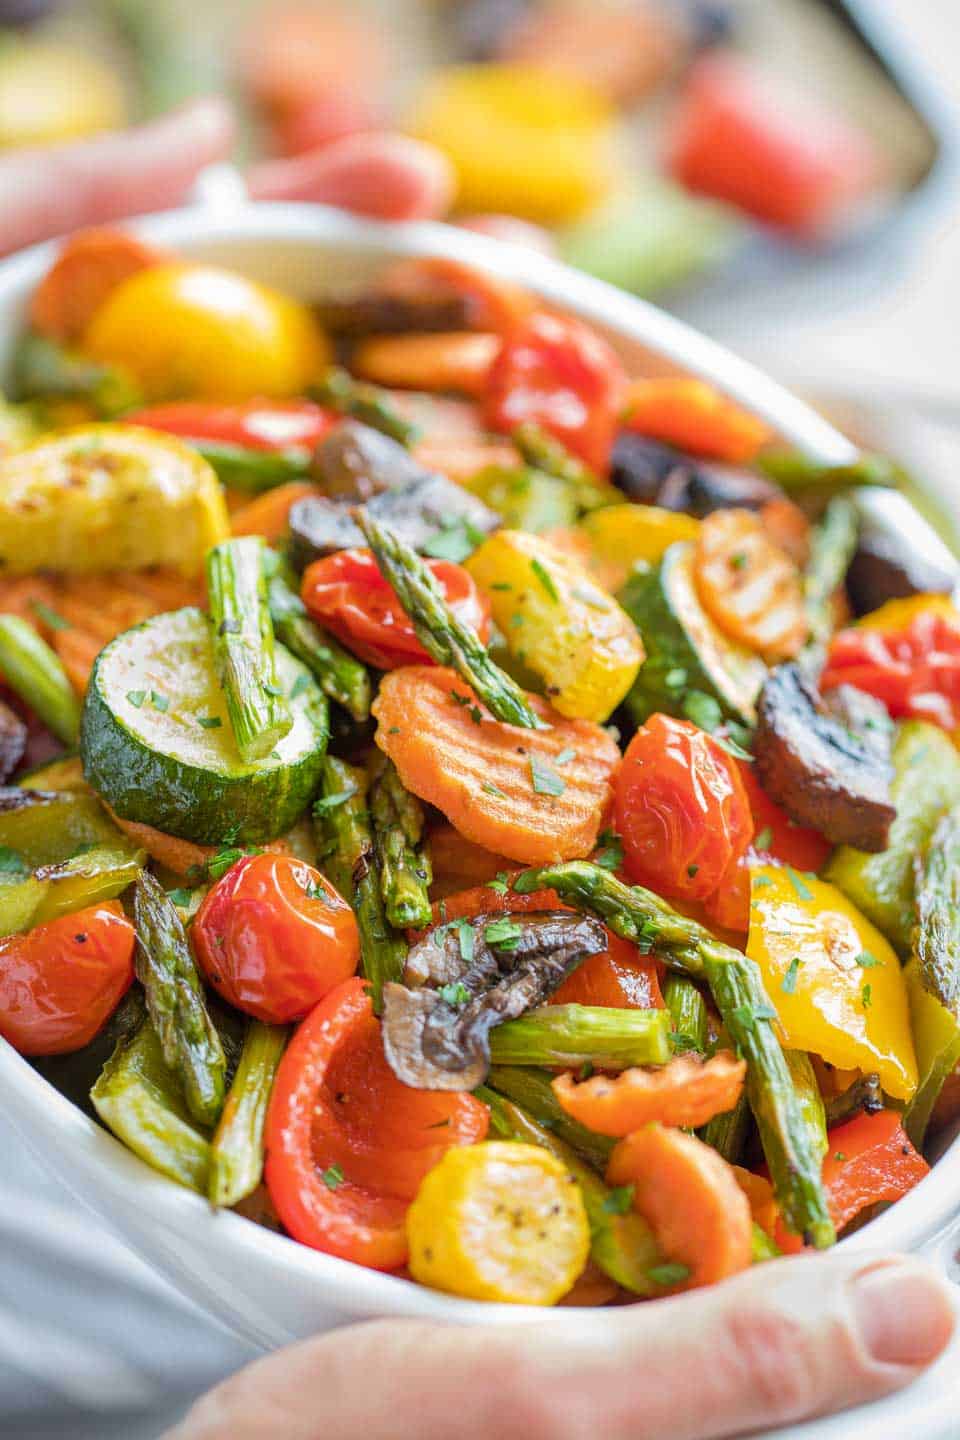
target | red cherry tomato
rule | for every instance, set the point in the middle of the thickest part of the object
(775, 837)
(348, 1144)
(349, 597)
(563, 376)
(681, 810)
(62, 981)
(258, 425)
(914, 671)
(273, 937)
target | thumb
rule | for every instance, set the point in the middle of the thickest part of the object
(785, 1342)
(380, 174)
(45, 192)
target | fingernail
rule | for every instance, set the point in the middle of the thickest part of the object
(904, 1313)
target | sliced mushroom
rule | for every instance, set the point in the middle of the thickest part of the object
(823, 772)
(435, 1040)
(378, 312)
(356, 463)
(656, 474)
(13, 741)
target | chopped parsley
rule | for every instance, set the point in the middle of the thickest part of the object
(566, 756)
(489, 788)
(332, 1177)
(501, 585)
(693, 870)
(301, 684)
(209, 722)
(611, 856)
(803, 891)
(159, 701)
(326, 803)
(270, 689)
(747, 1016)
(734, 748)
(760, 882)
(459, 699)
(789, 982)
(12, 863)
(454, 995)
(136, 698)
(182, 897)
(546, 781)
(504, 933)
(227, 856)
(670, 1273)
(455, 541)
(48, 616)
(763, 838)
(839, 1155)
(866, 961)
(546, 579)
(866, 996)
(499, 886)
(739, 561)
(619, 1201)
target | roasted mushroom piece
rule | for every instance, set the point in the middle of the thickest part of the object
(655, 474)
(889, 564)
(466, 977)
(382, 312)
(358, 464)
(827, 772)
(13, 741)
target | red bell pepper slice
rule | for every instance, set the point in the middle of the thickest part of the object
(270, 425)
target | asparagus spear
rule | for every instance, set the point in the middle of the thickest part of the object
(138, 1098)
(797, 472)
(936, 936)
(349, 859)
(43, 370)
(34, 672)
(688, 1011)
(762, 1246)
(442, 635)
(621, 1241)
(167, 971)
(572, 1035)
(788, 1141)
(405, 869)
(808, 1093)
(531, 1090)
(254, 470)
(341, 392)
(727, 1133)
(236, 1151)
(243, 646)
(341, 675)
(831, 549)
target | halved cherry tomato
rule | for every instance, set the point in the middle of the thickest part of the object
(62, 981)
(559, 374)
(347, 1143)
(619, 976)
(349, 597)
(273, 937)
(681, 809)
(257, 425)
(914, 671)
(775, 837)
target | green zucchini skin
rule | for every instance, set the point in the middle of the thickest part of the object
(161, 767)
(685, 650)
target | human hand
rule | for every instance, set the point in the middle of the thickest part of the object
(46, 192)
(787, 1341)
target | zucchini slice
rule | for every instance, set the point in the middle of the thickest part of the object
(157, 744)
(686, 652)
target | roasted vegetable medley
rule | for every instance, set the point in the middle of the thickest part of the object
(452, 806)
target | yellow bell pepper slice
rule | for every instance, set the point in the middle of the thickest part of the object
(198, 332)
(559, 622)
(623, 536)
(522, 140)
(499, 1221)
(899, 614)
(835, 981)
(51, 92)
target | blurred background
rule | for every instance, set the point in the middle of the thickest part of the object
(783, 173)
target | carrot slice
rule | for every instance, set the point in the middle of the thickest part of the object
(694, 416)
(269, 514)
(480, 773)
(90, 265)
(460, 458)
(690, 1198)
(456, 360)
(688, 1091)
(788, 528)
(458, 864)
(748, 585)
(183, 857)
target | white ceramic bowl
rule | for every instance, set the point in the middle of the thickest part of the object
(263, 1286)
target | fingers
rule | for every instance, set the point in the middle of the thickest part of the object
(783, 1343)
(46, 192)
(385, 176)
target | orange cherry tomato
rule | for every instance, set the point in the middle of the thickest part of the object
(681, 809)
(349, 597)
(559, 374)
(348, 1144)
(62, 981)
(273, 937)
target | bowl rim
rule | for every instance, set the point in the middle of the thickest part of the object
(86, 1157)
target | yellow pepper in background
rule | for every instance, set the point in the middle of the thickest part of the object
(557, 620)
(900, 614)
(620, 536)
(835, 981)
(523, 140)
(55, 92)
(186, 331)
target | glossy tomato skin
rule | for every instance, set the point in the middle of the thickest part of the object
(347, 595)
(62, 981)
(915, 670)
(348, 1144)
(563, 376)
(273, 937)
(270, 425)
(681, 809)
